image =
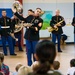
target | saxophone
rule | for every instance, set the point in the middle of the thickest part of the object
(50, 29)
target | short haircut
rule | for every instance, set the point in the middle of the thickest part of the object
(3, 10)
(31, 10)
(72, 62)
(56, 65)
(57, 10)
(39, 8)
(18, 66)
(1, 56)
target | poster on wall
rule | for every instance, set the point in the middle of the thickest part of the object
(46, 19)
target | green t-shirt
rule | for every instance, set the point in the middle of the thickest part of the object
(49, 73)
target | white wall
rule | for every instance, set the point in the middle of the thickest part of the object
(47, 1)
(6, 3)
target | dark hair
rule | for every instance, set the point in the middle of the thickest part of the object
(31, 10)
(1, 56)
(1, 59)
(46, 52)
(56, 65)
(74, 73)
(39, 8)
(18, 66)
(72, 63)
(1, 73)
(3, 9)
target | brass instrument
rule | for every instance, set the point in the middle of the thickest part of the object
(21, 25)
(18, 27)
(18, 6)
(50, 29)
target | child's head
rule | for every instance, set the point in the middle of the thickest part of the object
(45, 54)
(56, 65)
(24, 70)
(1, 59)
(45, 51)
(1, 56)
(1, 73)
(18, 66)
(72, 63)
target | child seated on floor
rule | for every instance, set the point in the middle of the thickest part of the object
(56, 66)
(17, 68)
(71, 70)
(3, 67)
